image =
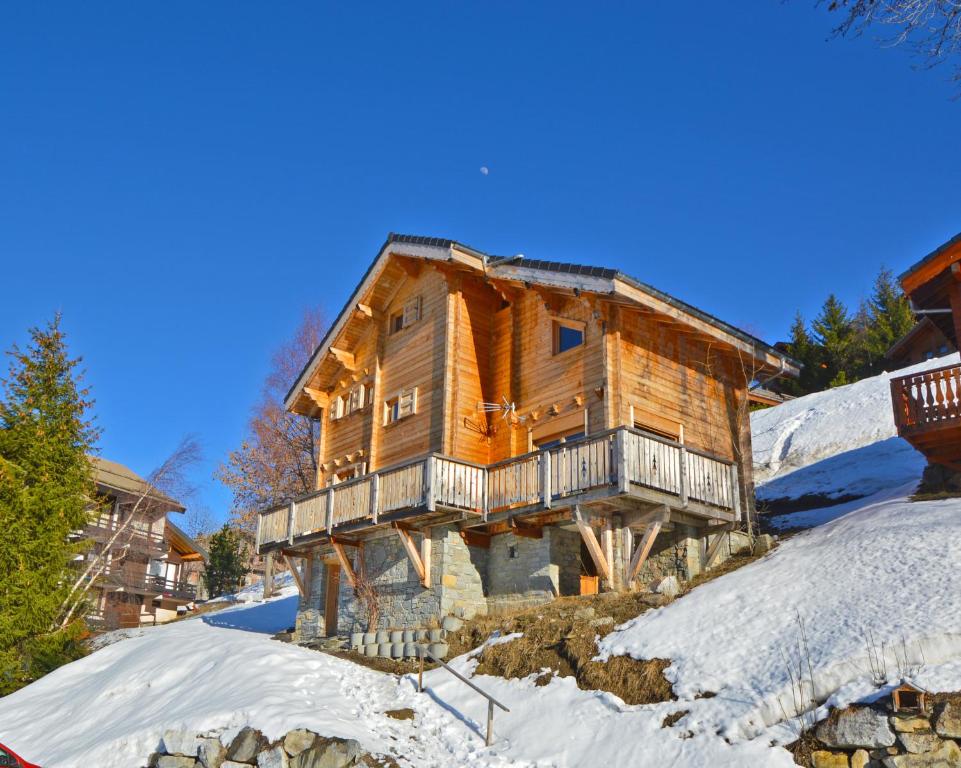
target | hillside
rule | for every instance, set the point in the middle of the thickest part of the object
(878, 570)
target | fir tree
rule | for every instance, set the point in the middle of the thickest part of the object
(226, 566)
(803, 349)
(833, 332)
(890, 317)
(45, 489)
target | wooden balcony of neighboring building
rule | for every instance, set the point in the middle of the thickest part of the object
(135, 536)
(927, 413)
(619, 469)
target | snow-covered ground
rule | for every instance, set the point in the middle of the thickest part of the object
(840, 442)
(880, 567)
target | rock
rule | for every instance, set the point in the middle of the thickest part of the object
(176, 761)
(948, 723)
(860, 759)
(451, 623)
(824, 759)
(604, 621)
(910, 724)
(328, 753)
(180, 743)
(763, 543)
(856, 727)
(438, 650)
(297, 741)
(246, 745)
(232, 764)
(583, 614)
(916, 743)
(211, 753)
(668, 586)
(273, 758)
(949, 756)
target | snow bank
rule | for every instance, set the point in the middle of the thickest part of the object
(888, 568)
(839, 442)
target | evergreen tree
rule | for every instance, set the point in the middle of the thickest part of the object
(803, 349)
(834, 333)
(227, 564)
(45, 489)
(890, 317)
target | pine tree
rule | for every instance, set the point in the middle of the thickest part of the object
(803, 349)
(833, 332)
(890, 317)
(226, 566)
(45, 489)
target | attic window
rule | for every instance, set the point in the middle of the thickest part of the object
(337, 408)
(409, 315)
(567, 334)
(402, 405)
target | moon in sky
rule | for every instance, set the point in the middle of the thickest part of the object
(485, 170)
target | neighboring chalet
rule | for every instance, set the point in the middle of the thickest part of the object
(144, 568)
(927, 406)
(925, 341)
(496, 432)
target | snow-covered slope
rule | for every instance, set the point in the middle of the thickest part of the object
(840, 442)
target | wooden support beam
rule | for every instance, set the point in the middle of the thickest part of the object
(519, 528)
(320, 399)
(416, 556)
(476, 539)
(643, 549)
(268, 575)
(297, 577)
(593, 545)
(714, 548)
(344, 561)
(367, 312)
(345, 358)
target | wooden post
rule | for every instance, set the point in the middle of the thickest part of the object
(420, 674)
(374, 493)
(682, 461)
(546, 490)
(268, 575)
(291, 511)
(627, 552)
(593, 547)
(607, 542)
(425, 546)
(429, 483)
(620, 452)
(260, 525)
(490, 722)
(955, 297)
(736, 492)
(330, 509)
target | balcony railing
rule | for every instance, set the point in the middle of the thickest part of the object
(927, 401)
(141, 537)
(620, 461)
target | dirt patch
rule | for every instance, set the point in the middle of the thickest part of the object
(560, 637)
(380, 664)
(802, 749)
(671, 719)
(400, 714)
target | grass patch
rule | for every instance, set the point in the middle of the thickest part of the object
(400, 714)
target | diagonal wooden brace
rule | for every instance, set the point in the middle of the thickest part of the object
(298, 579)
(643, 549)
(593, 545)
(345, 565)
(715, 547)
(420, 559)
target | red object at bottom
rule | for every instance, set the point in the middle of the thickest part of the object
(10, 759)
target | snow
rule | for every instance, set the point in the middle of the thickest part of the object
(840, 442)
(877, 572)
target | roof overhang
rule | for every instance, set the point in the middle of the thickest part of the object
(940, 260)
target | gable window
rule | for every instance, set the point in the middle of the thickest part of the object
(409, 315)
(567, 335)
(357, 398)
(402, 405)
(337, 408)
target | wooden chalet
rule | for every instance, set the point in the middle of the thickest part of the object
(925, 341)
(494, 430)
(141, 560)
(927, 406)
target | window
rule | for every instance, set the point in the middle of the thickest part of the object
(337, 410)
(567, 335)
(400, 406)
(356, 398)
(409, 315)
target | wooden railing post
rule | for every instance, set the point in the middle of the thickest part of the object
(620, 454)
(682, 474)
(260, 527)
(374, 493)
(546, 491)
(292, 510)
(429, 484)
(330, 509)
(735, 491)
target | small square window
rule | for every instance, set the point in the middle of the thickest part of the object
(567, 335)
(400, 406)
(409, 315)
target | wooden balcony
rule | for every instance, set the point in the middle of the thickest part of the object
(927, 413)
(616, 466)
(136, 536)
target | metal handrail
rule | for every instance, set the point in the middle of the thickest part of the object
(423, 652)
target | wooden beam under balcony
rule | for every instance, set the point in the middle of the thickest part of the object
(419, 559)
(346, 566)
(593, 545)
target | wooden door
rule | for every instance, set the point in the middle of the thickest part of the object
(330, 603)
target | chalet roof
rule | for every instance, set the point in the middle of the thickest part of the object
(924, 325)
(932, 257)
(116, 477)
(548, 273)
(184, 544)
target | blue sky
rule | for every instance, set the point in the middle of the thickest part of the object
(182, 180)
